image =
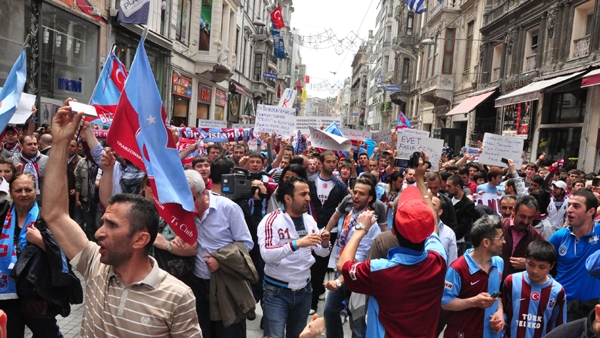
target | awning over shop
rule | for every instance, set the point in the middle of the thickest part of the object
(470, 103)
(591, 79)
(238, 88)
(532, 91)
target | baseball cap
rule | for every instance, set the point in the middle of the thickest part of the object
(12, 128)
(560, 184)
(414, 218)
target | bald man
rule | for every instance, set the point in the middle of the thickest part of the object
(45, 144)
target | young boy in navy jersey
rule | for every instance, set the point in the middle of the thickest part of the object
(534, 302)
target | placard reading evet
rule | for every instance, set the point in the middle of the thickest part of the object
(497, 147)
(356, 134)
(271, 119)
(305, 122)
(325, 140)
(411, 140)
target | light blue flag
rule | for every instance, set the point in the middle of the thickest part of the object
(13, 87)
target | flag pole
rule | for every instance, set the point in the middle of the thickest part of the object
(26, 43)
(144, 34)
(114, 47)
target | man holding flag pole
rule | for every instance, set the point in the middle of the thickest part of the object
(159, 304)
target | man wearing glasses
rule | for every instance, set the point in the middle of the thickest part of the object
(518, 232)
(473, 283)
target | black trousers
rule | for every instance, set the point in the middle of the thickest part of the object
(212, 329)
(17, 320)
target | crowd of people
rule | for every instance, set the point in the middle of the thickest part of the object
(414, 252)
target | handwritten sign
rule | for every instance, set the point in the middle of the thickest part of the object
(497, 147)
(410, 141)
(383, 136)
(329, 141)
(356, 134)
(492, 200)
(23, 109)
(211, 124)
(304, 123)
(271, 119)
(242, 125)
(470, 151)
(414, 132)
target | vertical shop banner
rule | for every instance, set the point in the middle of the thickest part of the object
(517, 118)
(278, 43)
(205, 24)
(134, 11)
(271, 119)
(497, 147)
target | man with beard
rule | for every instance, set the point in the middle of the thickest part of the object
(326, 193)
(124, 286)
(559, 202)
(32, 162)
(287, 238)
(507, 205)
(239, 151)
(363, 199)
(409, 178)
(465, 212)
(472, 282)
(518, 232)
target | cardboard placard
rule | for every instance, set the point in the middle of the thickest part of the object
(211, 124)
(490, 199)
(410, 141)
(356, 134)
(329, 141)
(382, 136)
(271, 119)
(497, 147)
(303, 123)
(23, 109)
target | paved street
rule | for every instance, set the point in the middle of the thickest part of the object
(70, 325)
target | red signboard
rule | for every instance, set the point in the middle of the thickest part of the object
(204, 94)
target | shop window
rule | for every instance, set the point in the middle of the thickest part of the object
(497, 61)
(582, 29)
(257, 67)
(448, 51)
(12, 36)
(566, 108)
(405, 70)
(410, 23)
(560, 143)
(531, 46)
(182, 30)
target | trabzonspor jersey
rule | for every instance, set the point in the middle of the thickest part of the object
(532, 310)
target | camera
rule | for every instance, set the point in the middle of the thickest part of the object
(238, 185)
(413, 162)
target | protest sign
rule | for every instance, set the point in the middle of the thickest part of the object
(497, 147)
(329, 141)
(382, 136)
(356, 134)
(492, 200)
(271, 119)
(288, 98)
(414, 132)
(410, 141)
(303, 123)
(23, 109)
(242, 125)
(211, 124)
(472, 151)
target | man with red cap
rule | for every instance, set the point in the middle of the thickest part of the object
(414, 271)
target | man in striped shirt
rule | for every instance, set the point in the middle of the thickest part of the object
(534, 302)
(127, 294)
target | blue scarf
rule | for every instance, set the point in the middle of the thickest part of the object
(8, 252)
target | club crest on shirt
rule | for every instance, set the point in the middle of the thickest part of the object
(448, 285)
(551, 303)
(535, 296)
(325, 185)
(562, 250)
(593, 240)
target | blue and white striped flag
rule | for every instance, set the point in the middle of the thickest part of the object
(418, 6)
(12, 89)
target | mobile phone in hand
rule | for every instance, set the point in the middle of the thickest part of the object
(495, 294)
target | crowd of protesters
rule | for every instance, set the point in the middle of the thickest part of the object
(469, 250)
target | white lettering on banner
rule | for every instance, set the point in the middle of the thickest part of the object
(271, 119)
(382, 136)
(492, 200)
(131, 6)
(325, 140)
(497, 147)
(303, 123)
(356, 134)
(212, 124)
(410, 141)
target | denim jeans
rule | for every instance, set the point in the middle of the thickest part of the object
(333, 322)
(284, 309)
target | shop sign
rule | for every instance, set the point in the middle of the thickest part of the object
(220, 98)
(69, 85)
(204, 94)
(182, 86)
(517, 118)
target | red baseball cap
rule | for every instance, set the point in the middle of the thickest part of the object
(414, 218)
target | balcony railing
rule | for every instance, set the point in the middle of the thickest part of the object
(496, 74)
(530, 62)
(496, 13)
(271, 83)
(273, 59)
(582, 47)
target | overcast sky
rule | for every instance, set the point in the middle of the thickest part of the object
(312, 17)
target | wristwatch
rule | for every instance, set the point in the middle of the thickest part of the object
(359, 226)
(338, 283)
(169, 247)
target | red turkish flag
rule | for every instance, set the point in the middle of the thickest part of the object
(277, 18)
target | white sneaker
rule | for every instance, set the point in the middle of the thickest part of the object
(322, 296)
(312, 312)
